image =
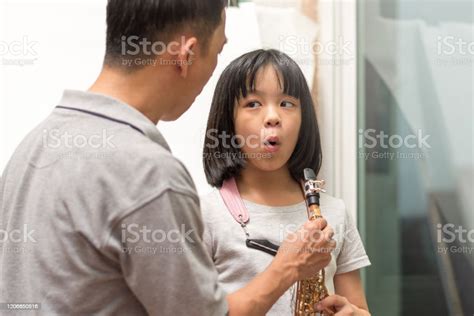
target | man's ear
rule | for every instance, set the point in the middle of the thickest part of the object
(187, 55)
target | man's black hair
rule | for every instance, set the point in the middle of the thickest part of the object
(157, 20)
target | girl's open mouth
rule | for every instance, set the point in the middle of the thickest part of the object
(272, 144)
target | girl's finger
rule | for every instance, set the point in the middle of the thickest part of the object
(332, 301)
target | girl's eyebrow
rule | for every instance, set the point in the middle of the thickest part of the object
(262, 93)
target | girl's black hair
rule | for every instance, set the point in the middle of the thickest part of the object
(222, 161)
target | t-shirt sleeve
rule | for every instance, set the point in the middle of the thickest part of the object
(352, 255)
(207, 239)
(208, 236)
(164, 260)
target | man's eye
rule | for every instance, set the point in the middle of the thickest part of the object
(252, 104)
(287, 104)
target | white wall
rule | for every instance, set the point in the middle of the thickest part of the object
(67, 39)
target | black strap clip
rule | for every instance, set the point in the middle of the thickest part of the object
(262, 245)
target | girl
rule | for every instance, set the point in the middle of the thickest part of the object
(267, 134)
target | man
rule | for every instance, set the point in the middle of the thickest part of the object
(112, 220)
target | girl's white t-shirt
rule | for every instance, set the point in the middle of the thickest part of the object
(237, 264)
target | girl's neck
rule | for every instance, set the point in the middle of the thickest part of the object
(273, 188)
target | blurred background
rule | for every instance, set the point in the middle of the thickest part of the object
(393, 84)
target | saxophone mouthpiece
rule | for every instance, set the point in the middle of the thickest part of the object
(312, 187)
(309, 174)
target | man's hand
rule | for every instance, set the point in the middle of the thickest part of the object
(306, 251)
(301, 256)
(341, 305)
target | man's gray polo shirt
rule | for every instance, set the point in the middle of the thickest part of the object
(97, 217)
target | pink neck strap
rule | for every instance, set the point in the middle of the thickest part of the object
(232, 199)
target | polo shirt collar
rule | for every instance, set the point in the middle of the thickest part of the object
(112, 108)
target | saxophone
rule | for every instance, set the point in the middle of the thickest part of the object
(312, 290)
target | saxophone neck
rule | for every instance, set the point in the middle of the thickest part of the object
(314, 212)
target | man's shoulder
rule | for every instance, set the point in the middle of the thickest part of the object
(130, 180)
(134, 171)
(146, 165)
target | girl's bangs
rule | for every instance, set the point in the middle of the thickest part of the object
(289, 76)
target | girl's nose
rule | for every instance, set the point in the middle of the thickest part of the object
(272, 119)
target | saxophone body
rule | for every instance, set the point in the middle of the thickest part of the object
(310, 291)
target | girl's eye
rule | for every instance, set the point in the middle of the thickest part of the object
(252, 104)
(287, 104)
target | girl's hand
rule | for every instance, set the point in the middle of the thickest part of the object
(341, 306)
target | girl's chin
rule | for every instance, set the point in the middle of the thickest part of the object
(268, 164)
